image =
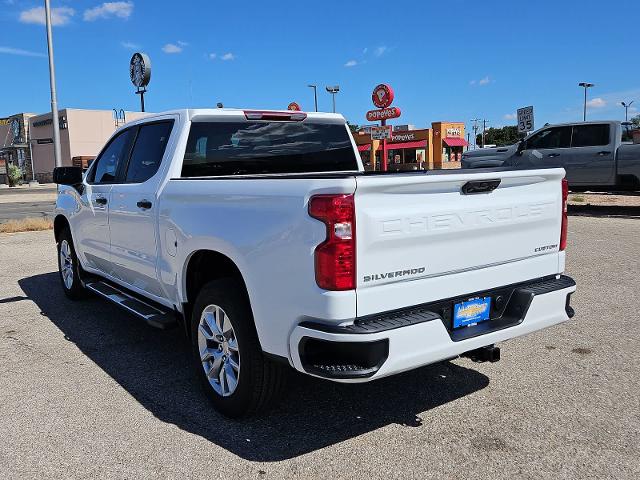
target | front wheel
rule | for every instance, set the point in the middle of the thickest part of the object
(69, 267)
(236, 376)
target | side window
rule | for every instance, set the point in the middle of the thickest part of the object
(557, 137)
(148, 150)
(627, 132)
(590, 135)
(111, 158)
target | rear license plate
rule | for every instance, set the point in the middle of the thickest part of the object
(471, 312)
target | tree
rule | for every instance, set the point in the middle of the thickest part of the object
(636, 121)
(353, 127)
(499, 136)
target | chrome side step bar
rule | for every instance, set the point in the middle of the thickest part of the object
(155, 316)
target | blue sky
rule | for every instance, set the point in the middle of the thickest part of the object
(446, 60)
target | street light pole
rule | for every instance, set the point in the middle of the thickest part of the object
(333, 90)
(315, 95)
(57, 153)
(626, 109)
(585, 85)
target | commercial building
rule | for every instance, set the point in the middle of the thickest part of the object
(448, 143)
(415, 149)
(406, 150)
(83, 133)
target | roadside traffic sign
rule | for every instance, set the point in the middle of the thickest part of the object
(525, 119)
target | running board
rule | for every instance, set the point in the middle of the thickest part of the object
(155, 316)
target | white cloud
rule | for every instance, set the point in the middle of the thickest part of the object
(351, 63)
(365, 50)
(212, 56)
(182, 44)
(228, 56)
(472, 82)
(510, 116)
(109, 10)
(379, 51)
(21, 52)
(597, 102)
(171, 48)
(59, 16)
(130, 45)
(484, 81)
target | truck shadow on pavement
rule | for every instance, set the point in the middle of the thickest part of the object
(154, 367)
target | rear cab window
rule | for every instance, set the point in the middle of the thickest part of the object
(590, 135)
(236, 147)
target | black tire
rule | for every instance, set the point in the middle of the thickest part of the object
(72, 289)
(260, 380)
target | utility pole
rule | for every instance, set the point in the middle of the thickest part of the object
(586, 86)
(484, 127)
(626, 109)
(315, 95)
(475, 132)
(57, 153)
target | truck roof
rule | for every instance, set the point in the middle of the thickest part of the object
(201, 114)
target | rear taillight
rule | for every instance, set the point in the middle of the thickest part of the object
(335, 258)
(563, 229)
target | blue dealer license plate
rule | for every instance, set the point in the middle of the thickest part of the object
(471, 312)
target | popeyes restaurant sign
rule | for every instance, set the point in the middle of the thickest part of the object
(382, 97)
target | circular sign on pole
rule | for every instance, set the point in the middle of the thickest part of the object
(140, 69)
(382, 95)
(294, 106)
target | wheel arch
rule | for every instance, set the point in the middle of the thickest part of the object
(59, 224)
(203, 266)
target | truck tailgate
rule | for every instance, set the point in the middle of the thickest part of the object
(420, 239)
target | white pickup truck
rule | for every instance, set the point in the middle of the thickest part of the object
(262, 236)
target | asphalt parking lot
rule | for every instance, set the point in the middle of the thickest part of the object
(88, 391)
(27, 202)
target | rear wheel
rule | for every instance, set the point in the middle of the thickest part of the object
(69, 267)
(236, 376)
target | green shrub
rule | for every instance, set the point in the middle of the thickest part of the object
(15, 175)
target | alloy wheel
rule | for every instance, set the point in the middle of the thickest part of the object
(66, 264)
(218, 347)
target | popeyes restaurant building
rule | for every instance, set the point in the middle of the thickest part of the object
(418, 149)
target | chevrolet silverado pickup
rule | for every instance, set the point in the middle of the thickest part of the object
(597, 156)
(260, 234)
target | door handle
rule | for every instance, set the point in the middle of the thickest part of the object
(603, 153)
(144, 204)
(553, 155)
(101, 200)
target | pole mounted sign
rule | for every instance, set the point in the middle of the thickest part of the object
(140, 73)
(381, 133)
(382, 95)
(383, 114)
(525, 119)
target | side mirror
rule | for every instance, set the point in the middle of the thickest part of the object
(521, 146)
(67, 175)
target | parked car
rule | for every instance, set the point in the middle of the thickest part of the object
(597, 156)
(261, 236)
